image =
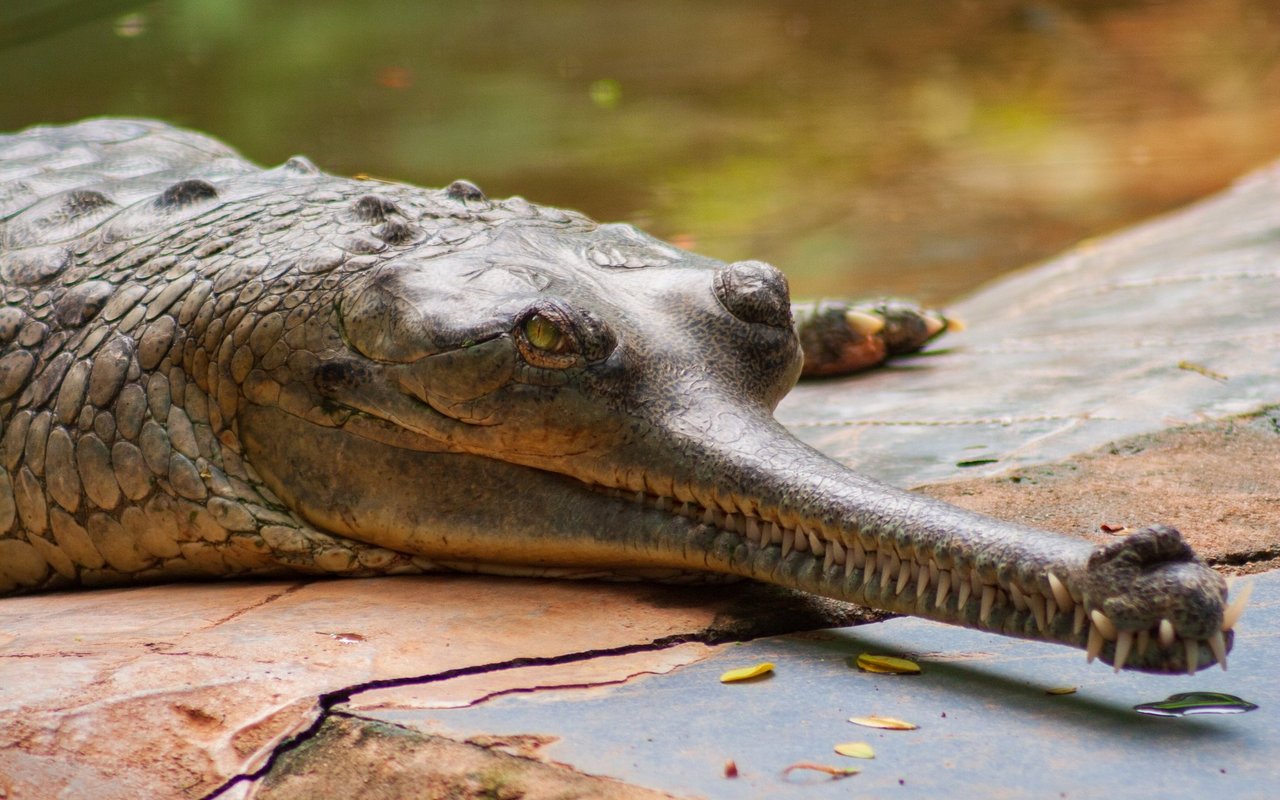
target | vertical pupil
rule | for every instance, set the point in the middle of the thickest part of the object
(542, 334)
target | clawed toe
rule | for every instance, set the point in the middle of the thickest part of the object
(839, 338)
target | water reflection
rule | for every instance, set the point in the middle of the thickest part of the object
(909, 146)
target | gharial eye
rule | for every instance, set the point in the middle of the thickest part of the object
(548, 341)
(546, 335)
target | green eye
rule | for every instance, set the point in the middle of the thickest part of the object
(543, 334)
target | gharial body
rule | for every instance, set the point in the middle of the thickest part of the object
(211, 369)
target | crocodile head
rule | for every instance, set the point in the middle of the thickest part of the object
(579, 399)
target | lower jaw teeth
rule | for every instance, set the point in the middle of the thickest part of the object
(890, 569)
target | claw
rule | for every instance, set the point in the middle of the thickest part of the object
(864, 323)
(934, 325)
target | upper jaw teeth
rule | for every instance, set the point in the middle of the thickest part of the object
(1042, 600)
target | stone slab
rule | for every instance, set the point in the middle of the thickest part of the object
(987, 726)
(172, 691)
(1173, 322)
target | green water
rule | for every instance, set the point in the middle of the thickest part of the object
(908, 146)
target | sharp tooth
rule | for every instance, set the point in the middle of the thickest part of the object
(753, 530)
(933, 570)
(966, 588)
(709, 517)
(815, 544)
(849, 567)
(1144, 641)
(788, 541)
(870, 573)
(944, 588)
(988, 600)
(1036, 601)
(837, 552)
(1219, 647)
(1192, 647)
(665, 503)
(775, 533)
(1094, 646)
(1232, 615)
(640, 497)
(1166, 633)
(904, 575)
(731, 523)
(685, 510)
(1078, 624)
(828, 559)
(1103, 622)
(1123, 643)
(922, 581)
(859, 555)
(802, 541)
(1060, 592)
(1050, 609)
(888, 566)
(1015, 594)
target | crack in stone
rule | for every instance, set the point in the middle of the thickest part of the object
(271, 598)
(329, 700)
(1242, 559)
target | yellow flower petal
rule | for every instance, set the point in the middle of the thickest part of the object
(884, 723)
(887, 665)
(1061, 690)
(746, 673)
(855, 750)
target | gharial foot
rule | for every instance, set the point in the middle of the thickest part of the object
(839, 337)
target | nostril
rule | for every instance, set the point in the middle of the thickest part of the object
(753, 291)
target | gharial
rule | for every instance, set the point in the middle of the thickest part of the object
(211, 369)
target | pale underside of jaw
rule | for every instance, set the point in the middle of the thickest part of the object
(872, 571)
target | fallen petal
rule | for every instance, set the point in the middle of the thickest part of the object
(746, 673)
(886, 665)
(855, 750)
(884, 723)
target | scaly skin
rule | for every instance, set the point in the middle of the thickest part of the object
(208, 369)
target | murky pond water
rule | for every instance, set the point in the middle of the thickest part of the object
(907, 146)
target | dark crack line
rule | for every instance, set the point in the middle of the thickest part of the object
(271, 598)
(328, 700)
(1241, 559)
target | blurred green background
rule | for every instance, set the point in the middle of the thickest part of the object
(909, 146)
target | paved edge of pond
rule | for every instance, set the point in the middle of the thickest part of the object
(1173, 322)
(997, 717)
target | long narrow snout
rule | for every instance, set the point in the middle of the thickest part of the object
(763, 505)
